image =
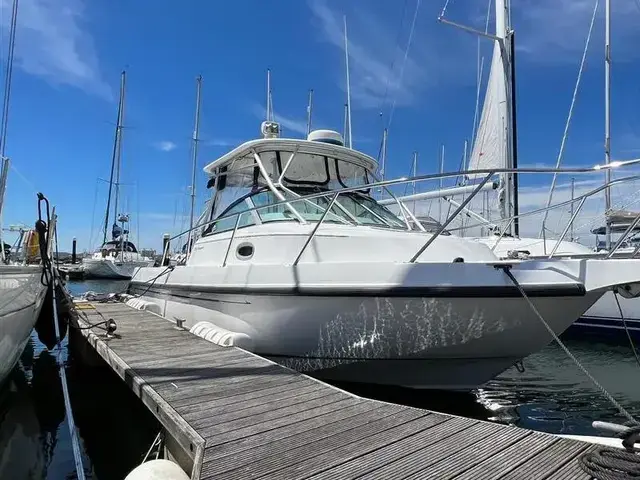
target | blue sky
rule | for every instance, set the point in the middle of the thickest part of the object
(69, 55)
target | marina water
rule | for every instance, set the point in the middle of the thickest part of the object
(116, 430)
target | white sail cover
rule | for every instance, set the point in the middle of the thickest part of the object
(490, 145)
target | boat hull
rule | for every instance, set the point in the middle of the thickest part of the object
(21, 298)
(421, 342)
(603, 320)
(106, 268)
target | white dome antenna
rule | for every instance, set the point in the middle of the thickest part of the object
(326, 136)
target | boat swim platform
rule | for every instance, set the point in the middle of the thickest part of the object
(230, 414)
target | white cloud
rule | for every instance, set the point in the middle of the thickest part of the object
(165, 145)
(556, 30)
(375, 58)
(51, 43)
(288, 123)
(221, 142)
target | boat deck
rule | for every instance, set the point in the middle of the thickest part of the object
(238, 416)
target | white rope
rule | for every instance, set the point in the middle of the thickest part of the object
(608, 396)
(404, 61)
(570, 115)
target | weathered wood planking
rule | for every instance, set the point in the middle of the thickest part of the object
(239, 416)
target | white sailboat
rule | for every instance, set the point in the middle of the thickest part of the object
(300, 264)
(21, 291)
(117, 258)
(495, 146)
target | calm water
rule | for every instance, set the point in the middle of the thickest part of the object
(552, 395)
(115, 429)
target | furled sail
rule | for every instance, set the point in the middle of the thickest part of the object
(490, 144)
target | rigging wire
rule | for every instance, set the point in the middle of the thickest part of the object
(570, 115)
(393, 60)
(404, 61)
(7, 79)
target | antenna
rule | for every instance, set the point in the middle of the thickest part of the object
(269, 98)
(345, 127)
(309, 110)
(194, 161)
(348, 105)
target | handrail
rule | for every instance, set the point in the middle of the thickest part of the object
(489, 172)
(451, 217)
(624, 236)
(315, 228)
(233, 234)
(566, 229)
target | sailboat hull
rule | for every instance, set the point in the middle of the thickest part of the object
(21, 298)
(107, 268)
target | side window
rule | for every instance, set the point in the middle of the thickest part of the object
(230, 222)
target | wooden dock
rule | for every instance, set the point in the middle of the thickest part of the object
(230, 414)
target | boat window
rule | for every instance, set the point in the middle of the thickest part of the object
(368, 211)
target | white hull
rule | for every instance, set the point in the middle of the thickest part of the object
(429, 325)
(604, 315)
(21, 298)
(108, 268)
(446, 343)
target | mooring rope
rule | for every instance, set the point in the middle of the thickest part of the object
(626, 329)
(603, 463)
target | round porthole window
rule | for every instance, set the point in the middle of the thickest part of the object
(244, 251)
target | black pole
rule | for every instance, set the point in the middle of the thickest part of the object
(165, 249)
(113, 162)
(73, 251)
(514, 134)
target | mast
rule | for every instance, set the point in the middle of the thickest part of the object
(383, 160)
(114, 155)
(441, 182)
(348, 106)
(607, 117)
(118, 163)
(507, 180)
(309, 111)
(573, 192)
(514, 130)
(414, 173)
(194, 161)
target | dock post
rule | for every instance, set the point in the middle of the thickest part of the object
(73, 251)
(165, 249)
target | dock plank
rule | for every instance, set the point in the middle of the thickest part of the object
(236, 415)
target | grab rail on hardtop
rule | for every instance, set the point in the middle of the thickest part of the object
(489, 173)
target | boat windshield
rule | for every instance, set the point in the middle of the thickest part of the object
(352, 208)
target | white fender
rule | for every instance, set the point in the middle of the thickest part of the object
(157, 470)
(140, 304)
(221, 336)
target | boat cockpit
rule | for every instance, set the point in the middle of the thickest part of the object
(266, 179)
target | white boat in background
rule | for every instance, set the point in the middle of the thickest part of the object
(119, 257)
(495, 146)
(300, 264)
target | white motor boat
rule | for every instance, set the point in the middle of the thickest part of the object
(301, 265)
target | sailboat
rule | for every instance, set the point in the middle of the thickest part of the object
(116, 258)
(22, 292)
(495, 146)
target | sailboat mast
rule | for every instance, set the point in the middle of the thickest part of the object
(113, 160)
(118, 163)
(507, 180)
(514, 131)
(194, 161)
(607, 116)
